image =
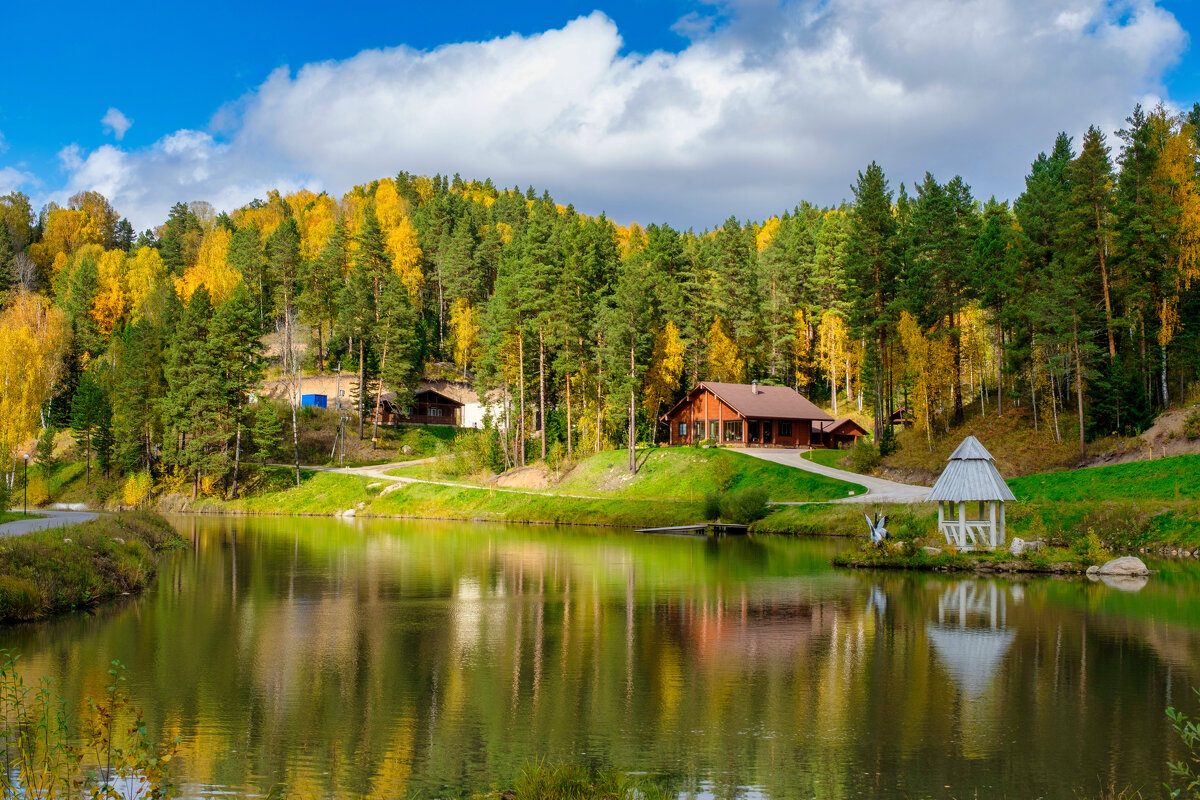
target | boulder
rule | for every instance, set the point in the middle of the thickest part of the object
(932, 551)
(1125, 583)
(1125, 565)
(406, 450)
(1017, 547)
(1092, 571)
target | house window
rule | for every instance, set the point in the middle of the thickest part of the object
(700, 430)
(683, 430)
(785, 429)
(733, 430)
(713, 430)
(435, 411)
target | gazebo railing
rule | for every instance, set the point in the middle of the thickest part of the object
(974, 534)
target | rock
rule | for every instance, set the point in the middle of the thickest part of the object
(1016, 547)
(1092, 571)
(360, 506)
(1125, 583)
(349, 512)
(897, 547)
(932, 551)
(406, 450)
(1126, 565)
(374, 485)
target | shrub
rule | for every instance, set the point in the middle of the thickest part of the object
(723, 473)
(1191, 425)
(744, 506)
(36, 493)
(4, 496)
(888, 443)
(1186, 769)
(19, 599)
(712, 506)
(1090, 549)
(136, 489)
(173, 480)
(864, 457)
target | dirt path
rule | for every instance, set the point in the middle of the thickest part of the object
(879, 490)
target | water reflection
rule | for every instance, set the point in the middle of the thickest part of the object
(326, 659)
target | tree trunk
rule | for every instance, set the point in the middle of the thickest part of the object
(569, 450)
(833, 382)
(378, 397)
(1079, 390)
(521, 432)
(296, 440)
(999, 369)
(1108, 322)
(237, 459)
(542, 387)
(320, 349)
(1054, 402)
(1166, 399)
(632, 407)
(599, 394)
(362, 388)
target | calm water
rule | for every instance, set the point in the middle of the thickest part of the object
(321, 658)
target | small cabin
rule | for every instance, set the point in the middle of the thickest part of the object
(429, 407)
(836, 435)
(743, 414)
(971, 495)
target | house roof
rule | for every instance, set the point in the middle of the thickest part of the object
(425, 394)
(837, 425)
(970, 475)
(760, 402)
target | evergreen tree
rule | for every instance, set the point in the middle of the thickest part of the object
(89, 415)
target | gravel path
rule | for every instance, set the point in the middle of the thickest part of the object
(49, 519)
(879, 490)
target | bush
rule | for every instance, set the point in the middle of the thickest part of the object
(723, 472)
(19, 599)
(36, 493)
(1187, 769)
(888, 443)
(744, 506)
(864, 457)
(1191, 425)
(712, 506)
(1091, 549)
(136, 489)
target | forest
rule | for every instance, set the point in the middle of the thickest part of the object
(1075, 301)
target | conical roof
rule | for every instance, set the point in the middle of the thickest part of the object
(970, 475)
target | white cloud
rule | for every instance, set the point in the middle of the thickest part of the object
(116, 122)
(781, 103)
(13, 179)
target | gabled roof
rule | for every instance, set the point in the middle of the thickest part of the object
(424, 394)
(759, 402)
(970, 475)
(837, 425)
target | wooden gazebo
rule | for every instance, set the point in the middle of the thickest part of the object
(971, 482)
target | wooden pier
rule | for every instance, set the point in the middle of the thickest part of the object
(701, 529)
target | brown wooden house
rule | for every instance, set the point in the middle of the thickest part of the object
(840, 433)
(743, 414)
(428, 408)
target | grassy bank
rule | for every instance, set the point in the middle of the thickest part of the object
(905, 556)
(16, 516)
(54, 571)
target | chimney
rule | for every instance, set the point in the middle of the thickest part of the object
(754, 387)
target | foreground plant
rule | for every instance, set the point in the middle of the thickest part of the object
(112, 757)
(1186, 769)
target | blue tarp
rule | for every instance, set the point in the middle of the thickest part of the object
(318, 400)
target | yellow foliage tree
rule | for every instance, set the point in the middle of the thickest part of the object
(766, 233)
(423, 186)
(1176, 171)
(801, 348)
(464, 332)
(666, 367)
(832, 345)
(266, 217)
(390, 207)
(505, 232)
(724, 363)
(212, 269)
(142, 271)
(403, 247)
(111, 300)
(66, 231)
(33, 339)
(317, 216)
(929, 369)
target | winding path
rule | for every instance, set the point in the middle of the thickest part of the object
(48, 519)
(879, 490)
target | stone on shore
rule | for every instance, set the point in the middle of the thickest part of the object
(1125, 565)
(932, 551)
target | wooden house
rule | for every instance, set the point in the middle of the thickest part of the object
(840, 433)
(428, 407)
(744, 414)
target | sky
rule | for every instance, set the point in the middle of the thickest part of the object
(675, 111)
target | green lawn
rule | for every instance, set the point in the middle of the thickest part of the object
(1176, 478)
(16, 516)
(680, 473)
(828, 458)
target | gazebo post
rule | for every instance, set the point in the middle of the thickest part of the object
(1003, 534)
(992, 520)
(941, 518)
(962, 524)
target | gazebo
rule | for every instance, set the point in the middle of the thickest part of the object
(971, 478)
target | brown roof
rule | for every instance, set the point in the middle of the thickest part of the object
(425, 394)
(836, 425)
(762, 402)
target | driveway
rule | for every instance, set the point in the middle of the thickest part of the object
(879, 490)
(49, 519)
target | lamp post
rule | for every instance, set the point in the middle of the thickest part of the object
(25, 487)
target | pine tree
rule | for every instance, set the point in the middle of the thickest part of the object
(89, 414)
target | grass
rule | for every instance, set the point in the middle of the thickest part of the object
(828, 458)
(16, 516)
(542, 781)
(1170, 479)
(678, 473)
(54, 571)
(906, 556)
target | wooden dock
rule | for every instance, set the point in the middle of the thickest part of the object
(700, 529)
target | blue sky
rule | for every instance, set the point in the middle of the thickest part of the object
(751, 106)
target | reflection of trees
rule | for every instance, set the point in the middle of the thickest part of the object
(350, 660)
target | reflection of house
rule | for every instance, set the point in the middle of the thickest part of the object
(743, 414)
(428, 408)
(840, 433)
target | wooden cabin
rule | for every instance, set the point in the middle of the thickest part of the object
(836, 435)
(428, 407)
(743, 414)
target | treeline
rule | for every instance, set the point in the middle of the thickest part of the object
(1076, 299)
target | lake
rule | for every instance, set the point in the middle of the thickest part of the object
(332, 658)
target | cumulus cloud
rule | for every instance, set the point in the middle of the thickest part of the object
(770, 104)
(116, 123)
